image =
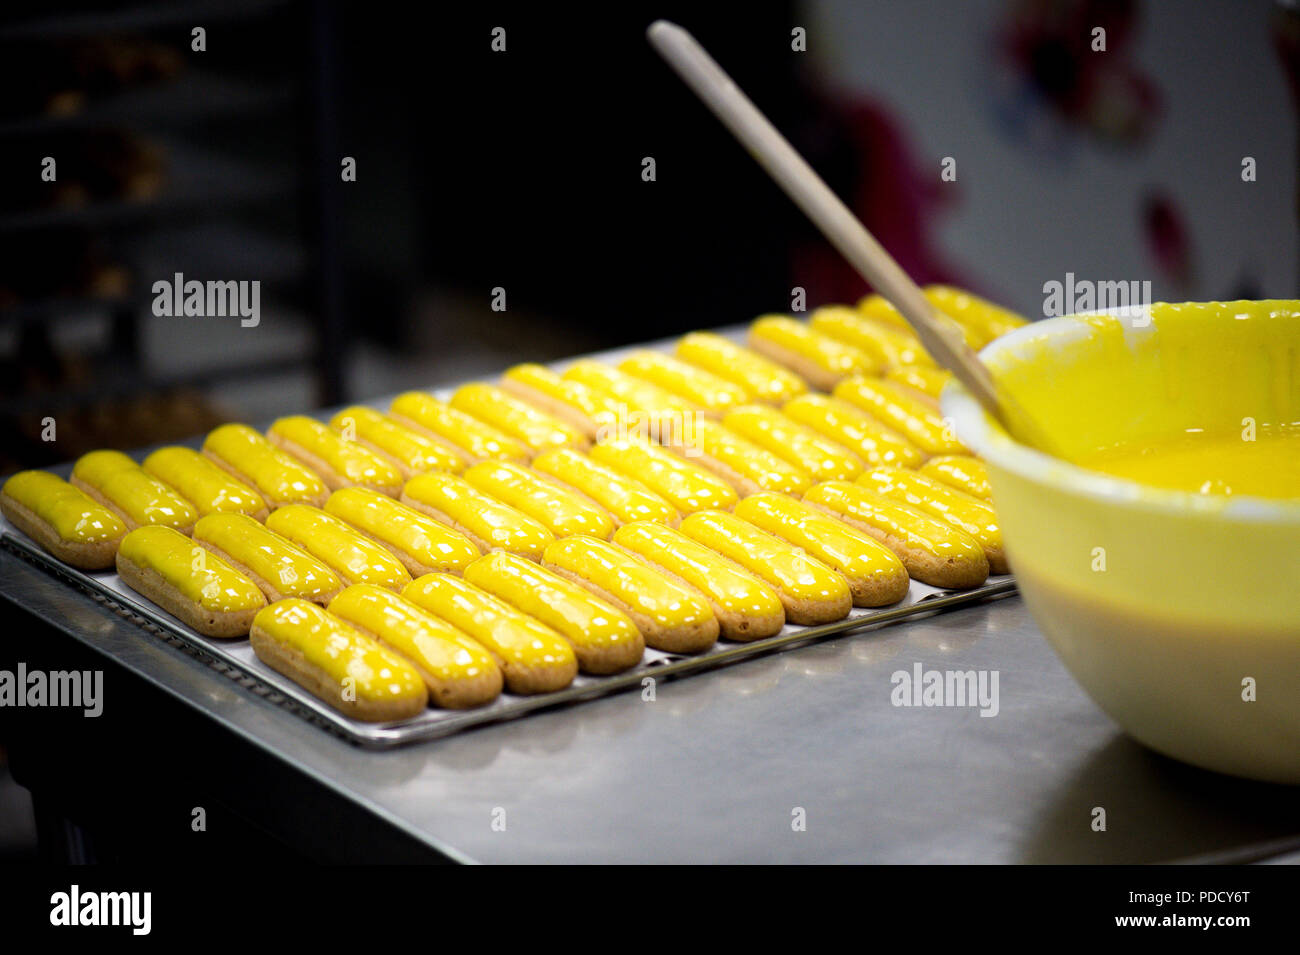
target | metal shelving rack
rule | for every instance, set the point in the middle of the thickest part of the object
(287, 200)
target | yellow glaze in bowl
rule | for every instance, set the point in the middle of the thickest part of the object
(1176, 610)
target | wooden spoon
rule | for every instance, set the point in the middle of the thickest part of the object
(940, 335)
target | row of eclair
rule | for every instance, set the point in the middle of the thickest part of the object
(759, 502)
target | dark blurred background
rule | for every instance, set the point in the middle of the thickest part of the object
(522, 169)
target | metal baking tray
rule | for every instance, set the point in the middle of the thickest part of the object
(235, 658)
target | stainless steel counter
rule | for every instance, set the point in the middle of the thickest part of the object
(713, 769)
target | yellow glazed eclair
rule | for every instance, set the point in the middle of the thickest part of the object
(858, 431)
(670, 615)
(926, 382)
(683, 484)
(64, 520)
(406, 449)
(465, 435)
(490, 523)
(532, 656)
(933, 551)
(875, 308)
(585, 408)
(625, 498)
(743, 464)
(968, 514)
(875, 575)
(890, 347)
(458, 672)
(762, 378)
(353, 556)
(604, 639)
(910, 416)
(278, 567)
(961, 471)
(705, 391)
(987, 320)
(126, 489)
(561, 511)
(210, 489)
(422, 544)
(198, 588)
(339, 463)
(532, 427)
(746, 608)
(337, 663)
(819, 359)
(642, 398)
(278, 477)
(811, 592)
(813, 453)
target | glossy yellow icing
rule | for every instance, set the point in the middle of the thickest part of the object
(907, 414)
(643, 400)
(845, 549)
(986, 320)
(889, 347)
(968, 514)
(354, 557)
(795, 572)
(629, 580)
(75, 517)
(560, 511)
(479, 440)
(876, 309)
(916, 528)
(199, 576)
(734, 590)
(490, 520)
(747, 459)
(531, 426)
(430, 642)
(929, 381)
(353, 462)
(598, 406)
(513, 636)
(276, 475)
(813, 453)
(832, 356)
(1110, 384)
(961, 471)
(410, 448)
(760, 377)
(702, 389)
(685, 486)
(560, 604)
(378, 515)
(1267, 465)
(341, 651)
(859, 432)
(210, 489)
(624, 497)
(140, 496)
(290, 570)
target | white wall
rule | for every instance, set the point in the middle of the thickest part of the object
(1024, 217)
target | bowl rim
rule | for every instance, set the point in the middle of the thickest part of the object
(976, 429)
